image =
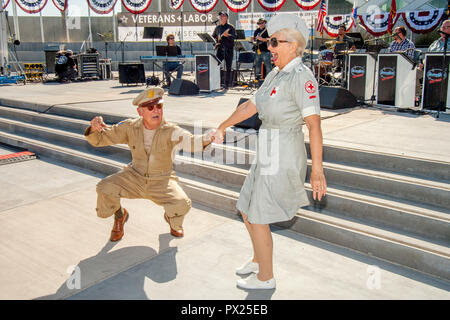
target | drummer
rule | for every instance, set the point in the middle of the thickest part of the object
(343, 42)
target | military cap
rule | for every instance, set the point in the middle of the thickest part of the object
(150, 96)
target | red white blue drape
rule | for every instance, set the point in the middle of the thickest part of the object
(423, 21)
(31, 6)
(204, 6)
(331, 23)
(376, 24)
(271, 5)
(60, 4)
(136, 6)
(101, 6)
(307, 4)
(237, 5)
(175, 4)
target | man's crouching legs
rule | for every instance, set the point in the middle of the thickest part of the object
(174, 215)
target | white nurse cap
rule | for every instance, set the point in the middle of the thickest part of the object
(288, 20)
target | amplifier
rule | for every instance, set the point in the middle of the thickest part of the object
(88, 65)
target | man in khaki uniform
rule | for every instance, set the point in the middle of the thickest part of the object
(153, 143)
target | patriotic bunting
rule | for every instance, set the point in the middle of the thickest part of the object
(271, 5)
(307, 4)
(31, 6)
(60, 4)
(5, 3)
(204, 6)
(332, 23)
(176, 4)
(101, 6)
(423, 21)
(237, 5)
(136, 6)
(376, 24)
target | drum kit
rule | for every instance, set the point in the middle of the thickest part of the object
(330, 64)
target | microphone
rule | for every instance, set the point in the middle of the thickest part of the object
(215, 21)
(444, 33)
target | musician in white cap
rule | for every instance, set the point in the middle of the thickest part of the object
(274, 188)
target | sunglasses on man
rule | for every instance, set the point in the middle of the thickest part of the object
(150, 108)
(274, 42)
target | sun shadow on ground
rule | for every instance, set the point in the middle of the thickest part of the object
(96, 273)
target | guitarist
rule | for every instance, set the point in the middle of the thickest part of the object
(262, 53)
(224, 34)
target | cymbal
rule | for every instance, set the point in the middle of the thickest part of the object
(345, 51)
(313, 51)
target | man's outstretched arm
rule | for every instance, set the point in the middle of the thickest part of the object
(99, 134)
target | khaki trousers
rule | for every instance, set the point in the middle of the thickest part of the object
(163, 191)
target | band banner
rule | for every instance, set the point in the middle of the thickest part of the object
(307, 4)
(271, 5)
(175, 4)
(5, 3)
(357, 76)
(31, 6)
(101, 6)
(237, 5)
(423, 21)
(387, 79)
(376, 24)
(203, 6)
(332, 23)
(435, 79)
(61, 5)
(136, 6)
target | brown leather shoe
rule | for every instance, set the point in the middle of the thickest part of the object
(176, 233)
(117, 231)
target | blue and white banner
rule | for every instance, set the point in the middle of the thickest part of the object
(271, 5)
(31, 6)
(102, 6)
(136, 6)
(307, 4)
(237, 5)
(60, 4)
(204, 6)
(176, 4)
(331, 23)
(423, 21)
(376, 23)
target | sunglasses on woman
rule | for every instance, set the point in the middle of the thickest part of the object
(150, 108)
(274, 42)
(171, 38)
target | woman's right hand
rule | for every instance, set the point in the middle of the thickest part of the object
(218, 135)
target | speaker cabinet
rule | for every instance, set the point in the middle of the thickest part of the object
(183, 88)
(251, 123)
(131, 73)
(336, 98)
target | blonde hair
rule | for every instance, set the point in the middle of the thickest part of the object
(293, 35)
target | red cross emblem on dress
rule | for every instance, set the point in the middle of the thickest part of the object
(310, 87)
(274, 91)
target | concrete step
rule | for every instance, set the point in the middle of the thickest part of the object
(423, 256)
(403, 187)
(422, 168)
(387, 213)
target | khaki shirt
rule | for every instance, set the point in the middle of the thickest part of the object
(167, 139)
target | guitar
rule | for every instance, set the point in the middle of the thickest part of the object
(258, 42)
(219, 40)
